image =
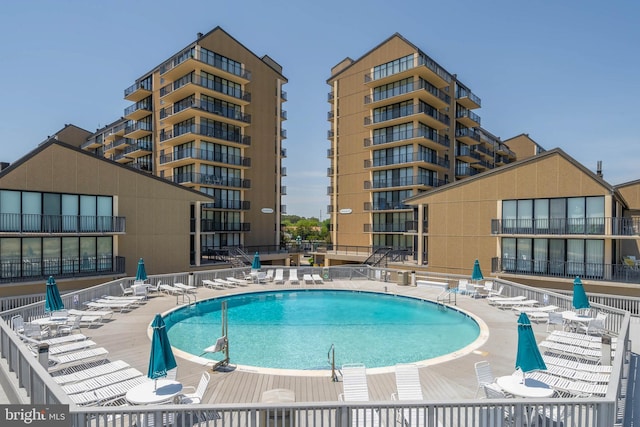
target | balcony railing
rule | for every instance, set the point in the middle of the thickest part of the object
(413, 226)
(558, 226)
(406, 111)
(206, 57)
(63, 224)
(200, 178)
(208, 155)
(31, 269)
(202, 130)
(586, 270)
(208, 225)
(399, 159)
(406, 181)
(408, 134)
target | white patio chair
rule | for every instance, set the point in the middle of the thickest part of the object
(554, 319)
(595, 326)
(17, 323)
(484, 375)
(198, 393)
(125, 291)
(70, 326)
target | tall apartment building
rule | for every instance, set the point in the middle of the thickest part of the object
(400, 124)
(211, 118)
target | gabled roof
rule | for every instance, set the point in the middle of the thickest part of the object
(53, 141)
(517, 164)
(394, 35)
(217, 28)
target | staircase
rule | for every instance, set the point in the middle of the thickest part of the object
(237, 257)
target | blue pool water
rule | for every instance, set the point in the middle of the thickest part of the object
(295, 329)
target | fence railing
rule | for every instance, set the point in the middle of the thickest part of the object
(588, 412)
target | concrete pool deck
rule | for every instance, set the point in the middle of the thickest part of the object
(126, 338)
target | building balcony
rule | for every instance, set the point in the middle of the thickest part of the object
(330, 153)
(17, 269)
(197, 178)
(283, 190)
(412, 226)
(468, 136)
(209, 225)
(283, 171)
(235, 205)
(138, 111)
(467, 99)
(384, 228)
(418, 89)
(484, 151)
(141, 166)
(382, 163)
(138, 149)
(116, 132)
(410, 181)
(421, 65)
(468, 118)
(599, 226)
(91, 144)
(569, 270)
(330, 97)
(465, 170)
(424, 137)
(188, 108)
(466, 154)
(137, 91)
(181, 134)
(386, 206)
(482, 165)
(425, 114)
(61, 224)
(117, 146)
(187, 156)
(137, 130)
(194, 58)
(330, 115)
(283, 153)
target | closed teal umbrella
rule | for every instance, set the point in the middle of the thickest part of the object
(477, 273)
(161, 359)
(141, 274)
(528, 357)
(52, 300)
(255, 265)
(580, 299)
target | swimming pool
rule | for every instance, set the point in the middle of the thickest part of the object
(295, 329)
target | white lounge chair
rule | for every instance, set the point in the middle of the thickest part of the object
(225, 283)
(171, 290)
(356, 389)
(317, 279)
(101, 380)
(293, 277)
(409, 388)
(94, 371)
(59, 349)
(102, 314)
(108, 392)
(279, 277)
(211, 284)
(186, 288)
(67, 360)
(308, 279)
(238, 282)
(494, 300)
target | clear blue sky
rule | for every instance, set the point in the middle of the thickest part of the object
(565, 72)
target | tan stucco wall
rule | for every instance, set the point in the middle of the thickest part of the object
(157, 213)
(460, 216)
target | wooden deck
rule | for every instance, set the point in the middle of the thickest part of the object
(126, 338)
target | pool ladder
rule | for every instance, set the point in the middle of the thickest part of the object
(331, 359)
(448, 296)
